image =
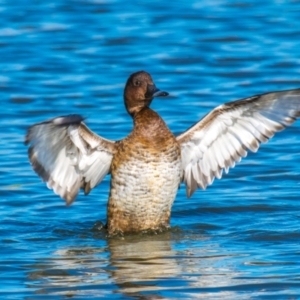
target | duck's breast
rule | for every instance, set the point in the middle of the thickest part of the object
(144, 181)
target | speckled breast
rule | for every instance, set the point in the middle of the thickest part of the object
(144, 181)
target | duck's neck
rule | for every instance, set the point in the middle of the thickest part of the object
(147, 122)
(133, 107)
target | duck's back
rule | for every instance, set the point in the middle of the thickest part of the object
(145, 175)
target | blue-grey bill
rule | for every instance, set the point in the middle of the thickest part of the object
(160, 94)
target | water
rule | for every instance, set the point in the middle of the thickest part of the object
(237, 240)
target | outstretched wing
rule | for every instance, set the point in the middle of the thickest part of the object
(68, 156)
(225, 135)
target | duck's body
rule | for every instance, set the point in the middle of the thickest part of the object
(148, 166)
(145, 175)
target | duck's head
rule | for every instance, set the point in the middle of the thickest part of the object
(140, 91)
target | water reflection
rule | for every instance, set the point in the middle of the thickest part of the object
(143, 266)
(138, 263)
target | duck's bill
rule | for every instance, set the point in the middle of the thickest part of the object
(160, 94)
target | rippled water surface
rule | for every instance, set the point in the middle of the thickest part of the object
(239, 239)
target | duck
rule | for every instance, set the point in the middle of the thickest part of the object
(148, 166)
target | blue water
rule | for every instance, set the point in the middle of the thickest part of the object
(239, 239)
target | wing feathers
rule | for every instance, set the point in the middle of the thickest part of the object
(225, 135)
(68, 156)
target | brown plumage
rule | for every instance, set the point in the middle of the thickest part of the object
(146, 173)
(148, 165)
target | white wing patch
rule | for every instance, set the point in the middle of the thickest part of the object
(225, 135)
(68, 156)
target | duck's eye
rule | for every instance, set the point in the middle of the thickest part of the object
(136, 83)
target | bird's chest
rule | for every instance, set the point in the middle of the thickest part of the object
(144, 183)
(145, 167)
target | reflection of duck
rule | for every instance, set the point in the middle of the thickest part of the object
(140, 261)
(141, 266)
(136, 264)
(148, 165)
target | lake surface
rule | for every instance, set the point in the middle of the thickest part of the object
(239, 239)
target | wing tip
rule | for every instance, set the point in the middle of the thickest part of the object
(189, 192)
(68, 195)
(69, 198)
(86, 187)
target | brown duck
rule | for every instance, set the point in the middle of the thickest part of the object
(148, 166)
